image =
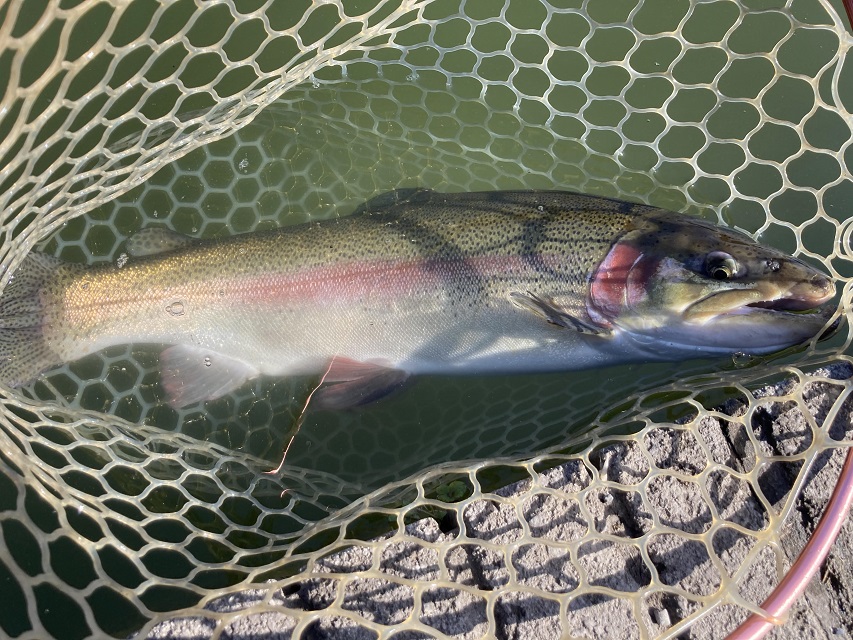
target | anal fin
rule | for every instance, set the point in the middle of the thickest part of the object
(350, 383)
(190, 374)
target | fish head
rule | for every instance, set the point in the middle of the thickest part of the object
(683, 284)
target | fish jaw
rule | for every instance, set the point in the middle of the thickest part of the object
(750, 330)
(764, 318)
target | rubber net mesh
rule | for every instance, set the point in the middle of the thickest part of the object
(484, 497)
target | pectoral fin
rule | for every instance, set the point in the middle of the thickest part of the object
(555, 315)
(190, 374)
(349, 383)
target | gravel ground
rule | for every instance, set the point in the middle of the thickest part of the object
(823, 612)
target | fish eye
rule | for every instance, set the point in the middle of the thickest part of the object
(721, 266)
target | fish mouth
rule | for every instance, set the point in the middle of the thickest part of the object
(807, 296)
(788, 304)
(801, 299)
(800, 311)
(755, 321)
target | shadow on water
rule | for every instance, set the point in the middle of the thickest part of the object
(440, 419)
(435, 419)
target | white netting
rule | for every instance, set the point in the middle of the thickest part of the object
(216, 118)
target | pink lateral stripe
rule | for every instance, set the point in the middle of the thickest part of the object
(376, 279)
(346, 282)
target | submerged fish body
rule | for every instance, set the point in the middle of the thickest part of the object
(418, 282)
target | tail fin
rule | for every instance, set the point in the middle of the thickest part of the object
(24, 352)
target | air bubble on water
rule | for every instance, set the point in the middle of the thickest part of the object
(243, 165)
(121, 260)
(207, 362)
(412, 76)
(741, 359)
(176, 308)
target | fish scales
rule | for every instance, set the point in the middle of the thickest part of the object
(443, 253)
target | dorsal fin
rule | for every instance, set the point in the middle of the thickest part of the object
(149, 242)
(393, 198)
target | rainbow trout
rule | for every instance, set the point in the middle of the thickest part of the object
(418, 282)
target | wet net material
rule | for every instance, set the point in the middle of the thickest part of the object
(654, 500)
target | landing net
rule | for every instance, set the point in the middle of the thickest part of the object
(494, 508)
